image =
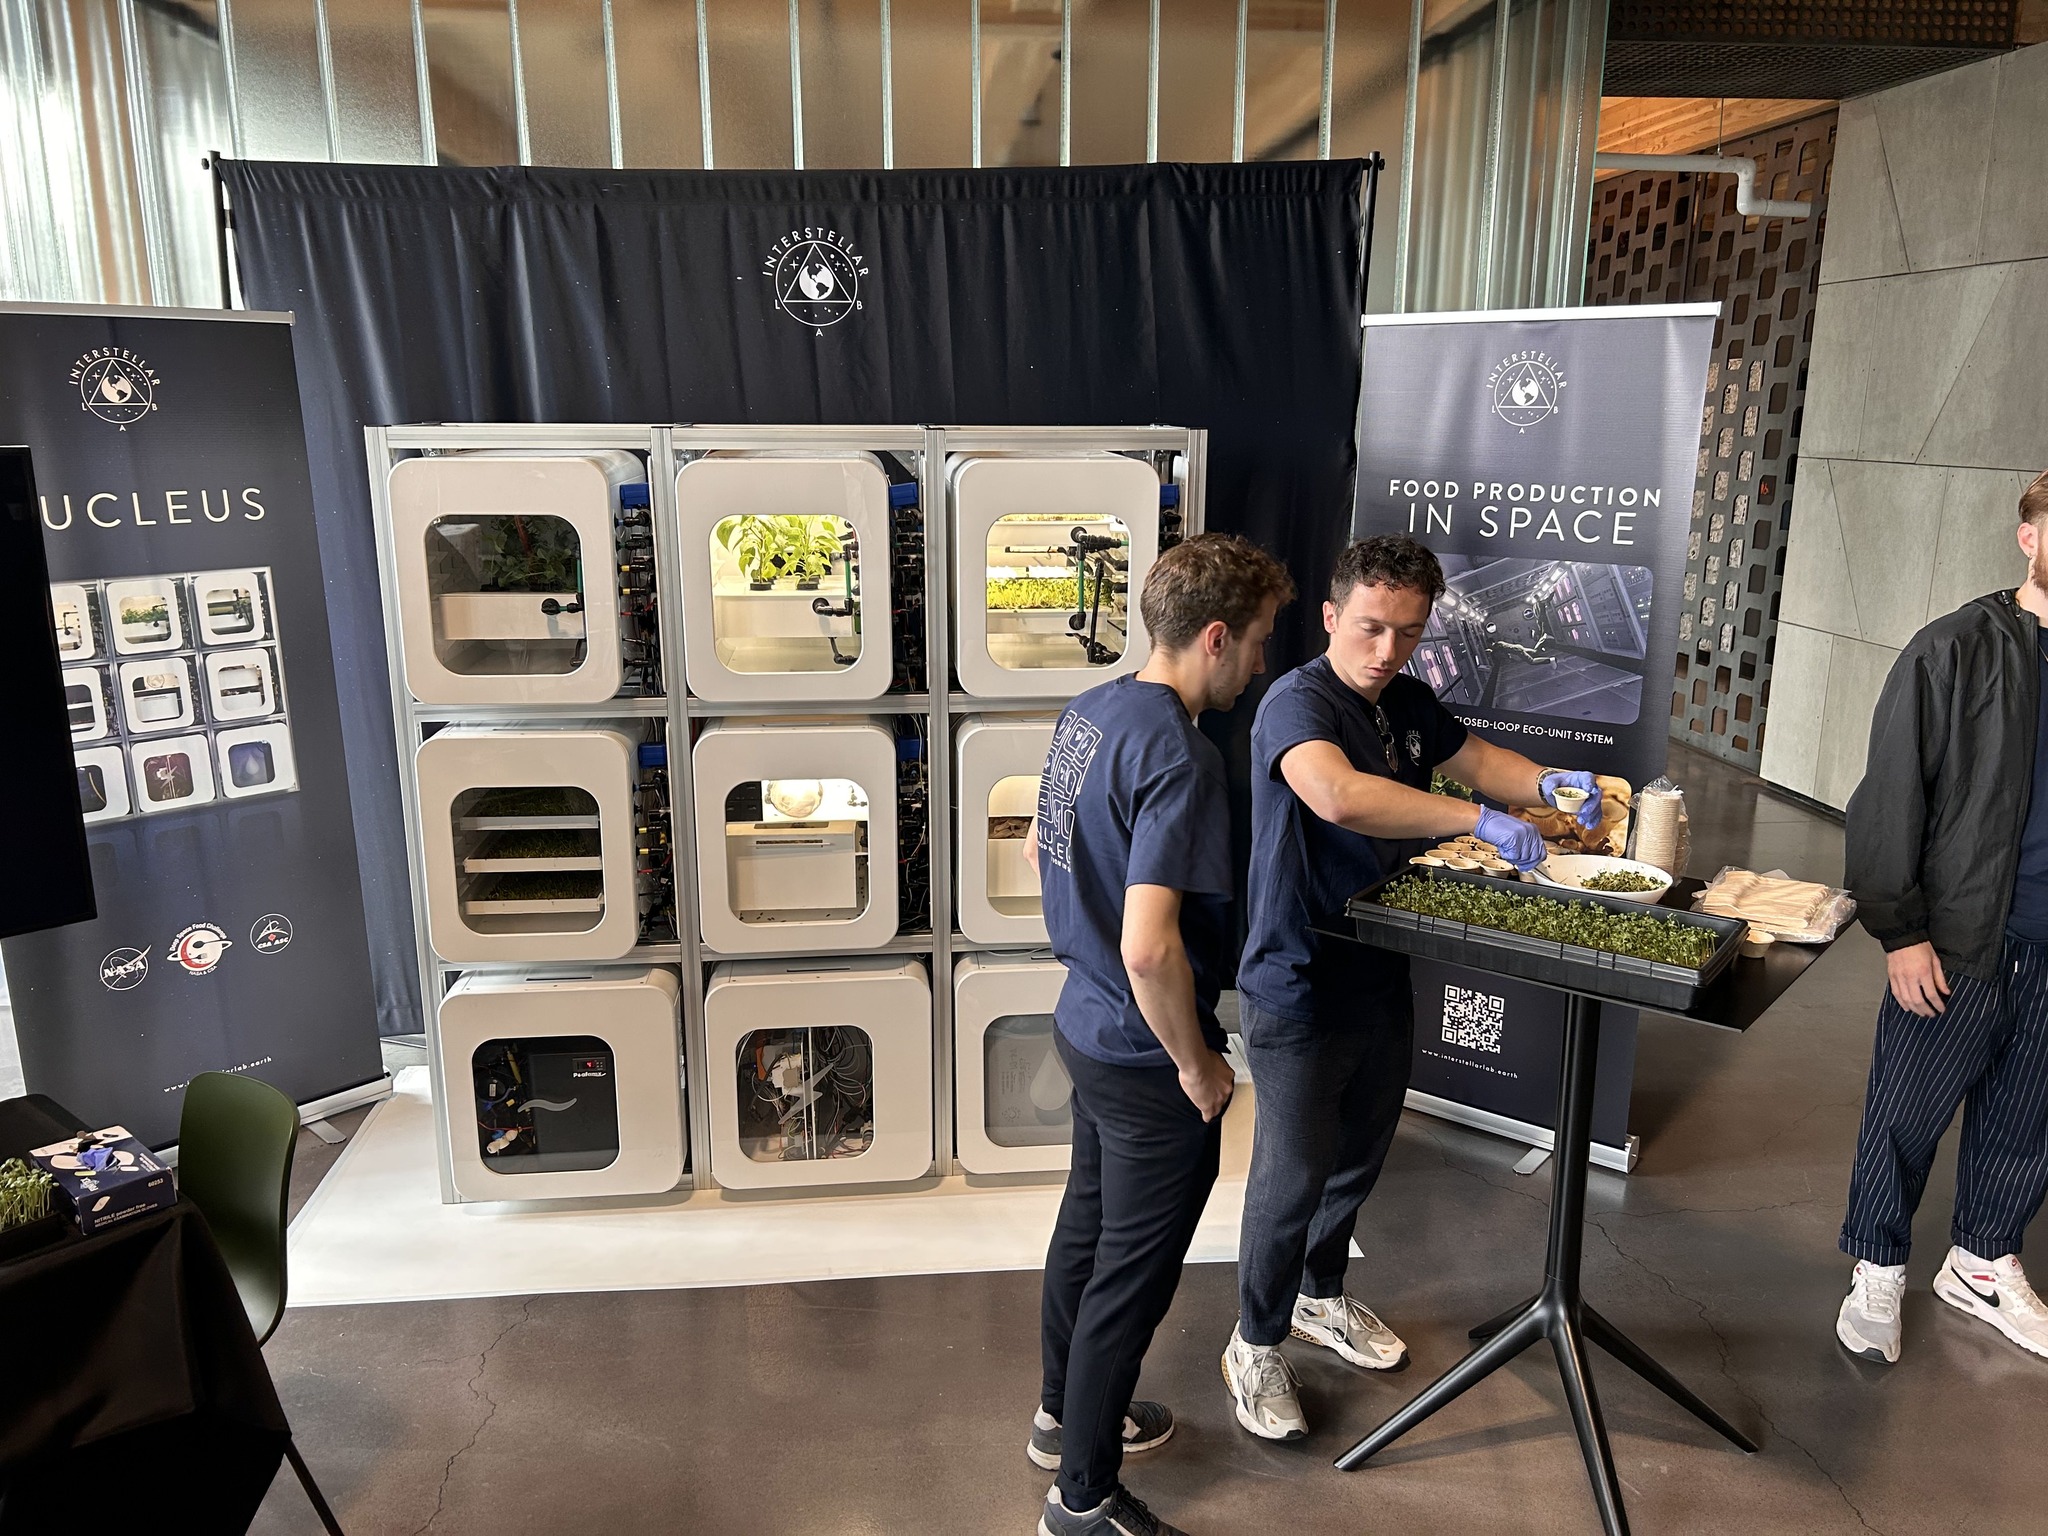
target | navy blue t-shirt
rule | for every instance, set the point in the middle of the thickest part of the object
(1303, 868)
(2028, 920)
(1132, 794)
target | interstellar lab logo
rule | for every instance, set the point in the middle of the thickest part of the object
(115, 385)
(1415, 748)
(124, 969)
(816, 273)
(199, 948)
(1526, 388)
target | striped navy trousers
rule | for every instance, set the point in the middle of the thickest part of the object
(1987, 1052)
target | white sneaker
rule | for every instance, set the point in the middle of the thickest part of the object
(1997, 1291)
(1262, 1387)
(1868, 1324)
(1349, 1327)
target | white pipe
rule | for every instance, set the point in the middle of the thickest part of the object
(1743, 169)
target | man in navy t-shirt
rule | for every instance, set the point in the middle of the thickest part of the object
(1342, 754)
(1132, 846)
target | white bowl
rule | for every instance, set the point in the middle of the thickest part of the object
(1570, 871)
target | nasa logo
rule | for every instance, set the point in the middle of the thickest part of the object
(124, 969)
(199, 947)
(816, 275)
(115, 385)
(1526, 388)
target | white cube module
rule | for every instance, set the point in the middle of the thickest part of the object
(102, 783)
(820, 1072)
(562, 1085)
(506, 568)
(1049, 554)
(1012, 1094)
(796, 835)
(528, 843)
(998, 760)
(785, 576)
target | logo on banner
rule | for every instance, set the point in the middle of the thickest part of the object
(115, 385)
(271, 933)
(1526, 388)
(816, 273)
(123, 969)
(199, 948)
(1473, 1019)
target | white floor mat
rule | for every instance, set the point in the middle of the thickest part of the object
(376, 1229)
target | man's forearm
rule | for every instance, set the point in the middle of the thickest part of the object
(1380, 807)
(1504, 776)
(1165, 993)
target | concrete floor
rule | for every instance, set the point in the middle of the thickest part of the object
(899, 1405)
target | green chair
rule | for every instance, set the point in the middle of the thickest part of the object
(235, 1143)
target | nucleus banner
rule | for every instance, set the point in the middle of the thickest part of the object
(1549, 458)
(186, 590)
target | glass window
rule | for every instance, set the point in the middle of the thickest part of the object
(546, 1105)
(1058, 591)
(1026, 1093)
(508, 594)
(785, 593)
(528, 859)
(805, 1094)
(796, 850)
(1012, 882)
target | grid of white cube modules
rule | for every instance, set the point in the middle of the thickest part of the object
(175, 689)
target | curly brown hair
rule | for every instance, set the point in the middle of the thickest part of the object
(1389, 560)
(1209, 577)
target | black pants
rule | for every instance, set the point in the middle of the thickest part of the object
(1144, 1163)
(1987, 1052)
(1329, 1098)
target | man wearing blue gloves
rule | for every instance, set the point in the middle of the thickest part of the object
(1342, 753)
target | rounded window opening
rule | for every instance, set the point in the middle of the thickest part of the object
(546, 1105)
(1012, 815)
(805, 1095)
(785, 593)
(507, 593)
(796, 850)
(1027, 1096)
(1058, 591)
(529, 859)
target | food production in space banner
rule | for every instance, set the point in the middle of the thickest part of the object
(170, 462)
(1549, 458)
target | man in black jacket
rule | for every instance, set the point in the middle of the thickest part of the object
(1948, 859)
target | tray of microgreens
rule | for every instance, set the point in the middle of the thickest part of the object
(1599, 944)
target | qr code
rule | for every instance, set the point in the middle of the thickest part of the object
(1472, 1019)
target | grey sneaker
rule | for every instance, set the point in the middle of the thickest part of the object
(1350, 1328)
(1868, 1324)
(1262, 1389)
(1123, 1513)
(1146, 1425)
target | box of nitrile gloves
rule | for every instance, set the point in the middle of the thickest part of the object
(108, 1176)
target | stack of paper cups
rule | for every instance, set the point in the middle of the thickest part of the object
(1660, 829)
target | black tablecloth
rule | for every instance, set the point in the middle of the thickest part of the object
(132, 1389)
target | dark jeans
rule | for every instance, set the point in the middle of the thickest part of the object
(1144, 1163)
(1329, 1097)
(1987, 1052)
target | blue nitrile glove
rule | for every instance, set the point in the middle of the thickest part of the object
(1557, 778)
(1519, 843)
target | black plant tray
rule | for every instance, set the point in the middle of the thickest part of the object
(31, 1235)
(1595, 972)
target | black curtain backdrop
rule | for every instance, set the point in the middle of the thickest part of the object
(1223, 297)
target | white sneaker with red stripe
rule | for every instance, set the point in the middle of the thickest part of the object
(1997, 1291)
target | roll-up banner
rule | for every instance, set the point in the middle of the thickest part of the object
(1549, 458)
(170, 466)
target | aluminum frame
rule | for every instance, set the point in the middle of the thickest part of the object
(1180, 453)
